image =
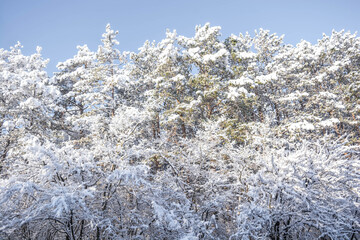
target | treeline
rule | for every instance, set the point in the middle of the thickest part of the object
(188, 138)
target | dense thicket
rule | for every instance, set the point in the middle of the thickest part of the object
(188, 138)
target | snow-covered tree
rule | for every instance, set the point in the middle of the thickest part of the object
(27, 99)
(188, 138)
(108, 72)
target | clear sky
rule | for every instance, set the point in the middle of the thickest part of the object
(59, 26)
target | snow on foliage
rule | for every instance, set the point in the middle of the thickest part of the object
(188, 138)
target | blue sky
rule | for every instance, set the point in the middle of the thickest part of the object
(59, 26)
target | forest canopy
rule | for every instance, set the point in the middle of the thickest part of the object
(187, 138)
